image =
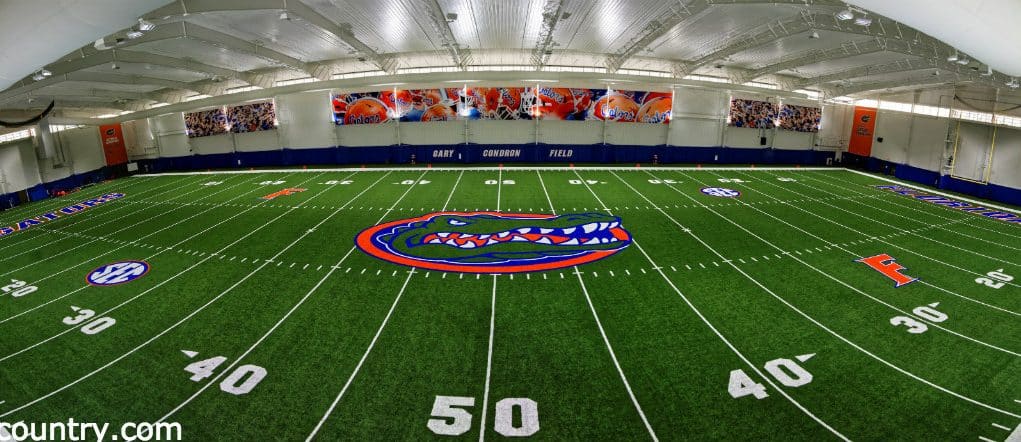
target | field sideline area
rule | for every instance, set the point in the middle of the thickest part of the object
(728, 317)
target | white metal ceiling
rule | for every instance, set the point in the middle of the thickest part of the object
(260, 42)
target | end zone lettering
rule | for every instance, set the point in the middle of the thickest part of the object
(50, 216)
(959, 205)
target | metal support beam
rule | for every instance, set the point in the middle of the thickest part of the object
(552, 10)
(845, 50)
(804, 21)
(461, 56)
(856, 88)
(655, 30)
(907, 65)
(305, 14)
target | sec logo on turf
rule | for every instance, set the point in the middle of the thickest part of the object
(117, 273)
(721, 192)
(494, 242)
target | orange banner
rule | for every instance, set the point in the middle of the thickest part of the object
(863, 129)
(113, 144)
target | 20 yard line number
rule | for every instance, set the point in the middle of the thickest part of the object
(785, 371)
(996, 279)
(450, 418)
(18, 288)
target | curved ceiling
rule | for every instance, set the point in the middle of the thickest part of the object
(985, 29)
(34, 33)
(213, 48)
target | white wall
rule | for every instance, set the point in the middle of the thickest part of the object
(18, 163)
(501, 132)
(305, 120)
(1007, 159)
(171, 135)
(895, 130)
(437, 132)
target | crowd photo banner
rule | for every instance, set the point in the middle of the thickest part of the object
(113, 144)
(752, 114)
(800, 118)
(206, 123)
(863, 128)
(252, 117)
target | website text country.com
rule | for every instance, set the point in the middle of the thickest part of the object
(81, 431)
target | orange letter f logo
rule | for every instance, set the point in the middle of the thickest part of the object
(888, 266)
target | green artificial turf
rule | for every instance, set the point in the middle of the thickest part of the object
(636, 346)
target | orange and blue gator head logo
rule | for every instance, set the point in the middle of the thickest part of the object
(493, 242)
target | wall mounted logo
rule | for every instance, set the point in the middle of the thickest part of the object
(117, 273)
(492, 242)
(721, 192)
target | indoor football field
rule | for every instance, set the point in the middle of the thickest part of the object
(555, 303)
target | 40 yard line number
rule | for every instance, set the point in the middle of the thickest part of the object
(785, 371)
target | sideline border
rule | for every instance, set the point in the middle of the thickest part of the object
(569, 168)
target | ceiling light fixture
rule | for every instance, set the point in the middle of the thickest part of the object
(814, 35)
(284, 16)
(145, 25)
(134, 33)
(845, 15)
(953, 57)
(37, 76)
(863, 21)
(45, 72)
(964, 60)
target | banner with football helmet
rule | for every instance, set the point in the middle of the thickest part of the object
(502, 103)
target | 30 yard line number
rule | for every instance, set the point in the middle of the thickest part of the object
(785, 371)
(92, 328)
(450, 418)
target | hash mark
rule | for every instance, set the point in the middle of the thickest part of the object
(627, 271)
(1000, 426)
(986, 439)
(673, 268)
(306, 267)
(595, 274)
(348, 270)
(378, 271)
(701, 265)
(611, 273)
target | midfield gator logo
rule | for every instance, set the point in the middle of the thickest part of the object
(493, 242)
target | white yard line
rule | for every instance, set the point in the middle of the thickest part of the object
(492, 326)
(44, 228)
(295, 307)
(160, 284)
(489, 364)
(379, 331)
(193, 313)
(82, 217)
(813, 320)
(934, 192)
(883, 240)
(705, 320)
(126, 244)
(881, 196)
(602, 331)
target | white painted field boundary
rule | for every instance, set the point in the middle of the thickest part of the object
(936, 192)
(458, 169)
